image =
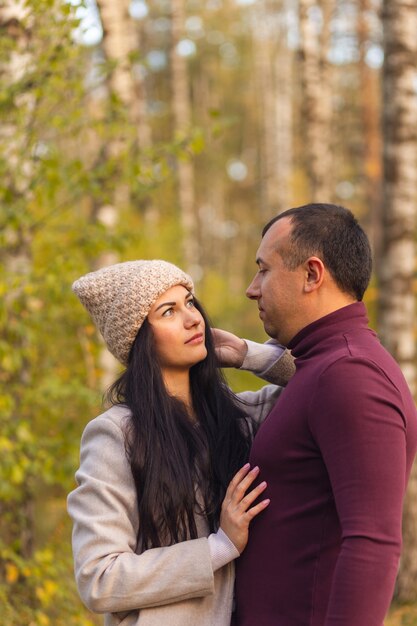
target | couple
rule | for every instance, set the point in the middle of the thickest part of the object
(175, 472)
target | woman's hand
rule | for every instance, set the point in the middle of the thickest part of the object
(230, 349)
(237, 513)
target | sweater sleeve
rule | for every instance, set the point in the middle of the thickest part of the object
(356, 420)
(269, 361)
(110, 576)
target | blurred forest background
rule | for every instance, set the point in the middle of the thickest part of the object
(175, 129)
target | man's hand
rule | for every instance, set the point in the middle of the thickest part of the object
(230, 350)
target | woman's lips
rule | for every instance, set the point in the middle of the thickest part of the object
(195, 339)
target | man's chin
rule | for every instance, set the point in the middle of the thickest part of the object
(270, 331)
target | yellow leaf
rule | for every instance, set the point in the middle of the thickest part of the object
(50, 587)
(46, 593)
(24, 433)
(17, 475)
(5, 444)
(197, 144)
(40, 594)
(42, 619)
(12, 573)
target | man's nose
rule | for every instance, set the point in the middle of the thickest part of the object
(252, 292)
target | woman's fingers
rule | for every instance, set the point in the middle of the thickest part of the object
(252, 496)
(236, 494)
(258, 508)
(237, 478)
(238, 508)
(230, 349)
(238, 490)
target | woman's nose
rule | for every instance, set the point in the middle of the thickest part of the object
(192, 318)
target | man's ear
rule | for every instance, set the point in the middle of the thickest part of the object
(314, 274)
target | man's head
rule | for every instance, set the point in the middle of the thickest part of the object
(312, 260)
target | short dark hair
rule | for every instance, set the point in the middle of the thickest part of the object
(332, 233)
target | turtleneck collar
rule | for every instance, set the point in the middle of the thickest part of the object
(352, 315)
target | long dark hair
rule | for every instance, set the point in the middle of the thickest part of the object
(170, 456)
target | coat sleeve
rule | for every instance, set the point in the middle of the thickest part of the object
(269, 361)
(110, 576)
(258, 404)
(280, 372)
(273, 363)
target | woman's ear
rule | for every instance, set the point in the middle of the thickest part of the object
(314, 274)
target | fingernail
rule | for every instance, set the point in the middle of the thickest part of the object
(246, 466)
(255, 469)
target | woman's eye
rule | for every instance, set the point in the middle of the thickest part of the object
(168, 313)
(190, 304)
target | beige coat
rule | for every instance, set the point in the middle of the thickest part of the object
(167, 586)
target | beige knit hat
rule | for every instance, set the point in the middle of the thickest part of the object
(119, 298)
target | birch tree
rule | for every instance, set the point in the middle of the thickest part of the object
(16, 255)
(273, 71)
(120, 45)
(283, 71)
(182, 124)
(370, 112)
(42, 105)
(398, 259)
(317, 94)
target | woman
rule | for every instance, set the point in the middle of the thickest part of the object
(157, 519)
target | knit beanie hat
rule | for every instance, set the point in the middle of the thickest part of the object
(119, 298)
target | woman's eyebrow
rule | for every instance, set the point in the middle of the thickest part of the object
(165, 304)
(187, 297)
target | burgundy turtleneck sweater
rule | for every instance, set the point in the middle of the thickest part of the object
(336, 452)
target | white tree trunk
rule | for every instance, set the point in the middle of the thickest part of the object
(120, 43)
(397, 270)
(183, 123)
(273, 70)
(16, 254)
(283, 75)
(317, 96)
(371, 144)
(398, 262)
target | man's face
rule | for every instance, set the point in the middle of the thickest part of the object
(277, 289)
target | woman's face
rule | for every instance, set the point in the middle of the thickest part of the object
(178, 329)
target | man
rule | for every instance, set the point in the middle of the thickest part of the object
(337, 449)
